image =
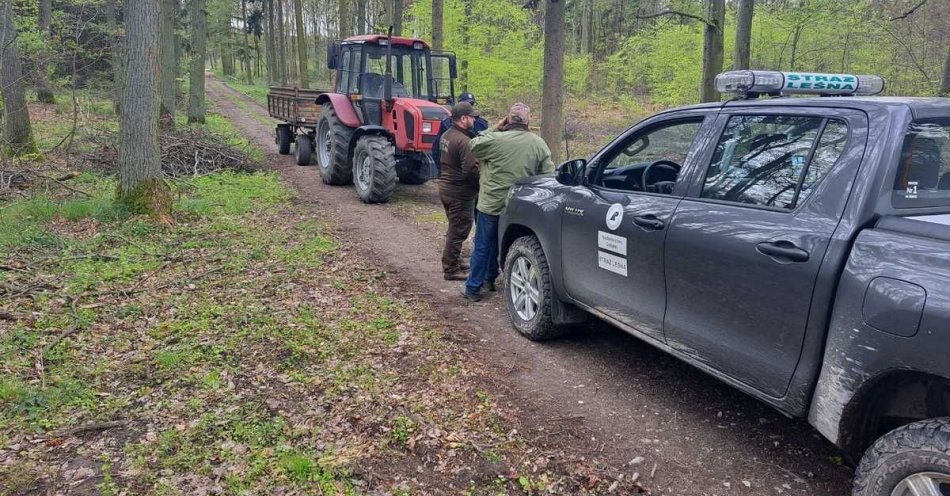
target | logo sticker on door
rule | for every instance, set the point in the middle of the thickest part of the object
(614, 216)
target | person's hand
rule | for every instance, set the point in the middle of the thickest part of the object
(502, 123)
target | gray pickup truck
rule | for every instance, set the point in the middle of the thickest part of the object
(796, 248)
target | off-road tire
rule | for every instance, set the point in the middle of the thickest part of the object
(541, 327)
(339, 169)
(284, 139)
(381, 181)
(304, 149)
(915, 448)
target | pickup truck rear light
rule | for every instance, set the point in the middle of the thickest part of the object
(751, 83)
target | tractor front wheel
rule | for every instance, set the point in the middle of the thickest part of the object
(374, 169)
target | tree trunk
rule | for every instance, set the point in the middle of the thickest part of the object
(166, 68)
(397, 17)
(282, 45)
(361, 17)
(199, 39)
(743, 51)
(141, 187)
(302, 44)
(466, 39)
(248, 76)
(945, 81)
(552, 81)
(794, 55)
(17, 132)
(344, 11)
(436, 24)
(712, 49)
(269, 41)
(44, 92)
(115, 53)
(587, 27)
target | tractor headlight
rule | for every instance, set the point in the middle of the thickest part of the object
(427, 127)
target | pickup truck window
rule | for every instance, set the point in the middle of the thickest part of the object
(773, 161)
(669, 143)
(923, 173)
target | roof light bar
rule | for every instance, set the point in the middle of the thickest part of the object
(786, 83)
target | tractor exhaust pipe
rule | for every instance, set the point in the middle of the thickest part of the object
(388, 82)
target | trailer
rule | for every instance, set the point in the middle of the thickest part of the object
(300, 112)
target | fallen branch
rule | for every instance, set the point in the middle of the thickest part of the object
(90, 427)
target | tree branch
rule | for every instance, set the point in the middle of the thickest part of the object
(681, 14)
(911, 11)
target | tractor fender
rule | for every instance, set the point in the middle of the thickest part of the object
(370, 130)
(342, 106)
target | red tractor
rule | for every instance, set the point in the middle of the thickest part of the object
(379, 123)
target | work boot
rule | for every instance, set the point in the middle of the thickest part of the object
(464, 266)
(455, 275)
(489, 285)
(470, 296)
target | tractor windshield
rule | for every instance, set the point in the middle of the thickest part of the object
(410, 69)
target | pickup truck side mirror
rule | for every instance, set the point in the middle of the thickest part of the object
(570, 173)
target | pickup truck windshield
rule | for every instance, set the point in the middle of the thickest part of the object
(923, 173)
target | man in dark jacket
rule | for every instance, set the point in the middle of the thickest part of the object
(480, 125)
(458, 187)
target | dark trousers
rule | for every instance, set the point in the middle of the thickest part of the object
(484, 253)
(460, 212)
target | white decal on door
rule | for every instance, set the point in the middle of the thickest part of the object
(612, 242)
(613, 263)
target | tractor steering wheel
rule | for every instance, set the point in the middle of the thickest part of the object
(665, 164)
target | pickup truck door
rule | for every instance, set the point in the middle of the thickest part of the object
(745, 247)
(613, 232)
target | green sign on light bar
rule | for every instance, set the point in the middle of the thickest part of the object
(750, 83)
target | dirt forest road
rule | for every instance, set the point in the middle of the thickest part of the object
(683, 432)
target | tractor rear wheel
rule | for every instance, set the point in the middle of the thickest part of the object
(304, 149)
(374, 169)
(284, 135)
(333, 139)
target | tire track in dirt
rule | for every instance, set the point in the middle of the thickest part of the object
(681, 431)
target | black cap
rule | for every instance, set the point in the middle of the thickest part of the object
(463, 108)
(467, 97)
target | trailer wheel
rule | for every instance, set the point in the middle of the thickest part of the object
(333, 139)
(374, 169)
(284, 138)
(304, 149)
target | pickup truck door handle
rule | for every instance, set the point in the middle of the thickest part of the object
(649, 222)
(782, 249)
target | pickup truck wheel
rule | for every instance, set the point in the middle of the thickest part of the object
(374, 169)
(284, 135)
(333, 141)
(529, 293)
(913, 460)
(304, 147)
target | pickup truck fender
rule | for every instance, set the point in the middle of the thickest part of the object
(535, 208)
(343, 107)
(889, 336)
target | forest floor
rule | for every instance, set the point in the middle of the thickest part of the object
(251, 347)
(645, 414)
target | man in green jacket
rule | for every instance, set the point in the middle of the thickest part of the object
(507, 153)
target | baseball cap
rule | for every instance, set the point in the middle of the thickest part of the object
(519, 113)
(463, 108)
(467, 97)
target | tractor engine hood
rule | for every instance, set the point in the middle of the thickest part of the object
(416, 123)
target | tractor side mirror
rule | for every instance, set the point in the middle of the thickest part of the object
(453, 71)
(569, 173)
(333, 55)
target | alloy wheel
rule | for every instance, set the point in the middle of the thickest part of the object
(923, 484)
(524, 288)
